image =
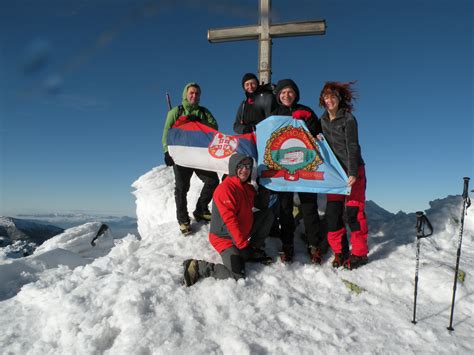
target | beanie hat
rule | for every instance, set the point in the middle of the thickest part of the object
(248, 76)
(284, 83)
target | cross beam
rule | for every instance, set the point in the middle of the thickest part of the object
(264, 32)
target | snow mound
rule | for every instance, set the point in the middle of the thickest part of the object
(155, 199)
(72, 249)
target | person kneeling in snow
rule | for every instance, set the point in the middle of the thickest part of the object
(237, 233)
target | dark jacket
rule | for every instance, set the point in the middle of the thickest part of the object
(232, 215)
(342, 136)
(301, 112)
(256, 107)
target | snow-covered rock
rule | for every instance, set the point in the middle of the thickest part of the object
(72, 248)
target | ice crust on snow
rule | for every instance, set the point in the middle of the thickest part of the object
(129, 298)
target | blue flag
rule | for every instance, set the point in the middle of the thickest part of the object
(291, 159)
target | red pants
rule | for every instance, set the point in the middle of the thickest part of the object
(356, 219)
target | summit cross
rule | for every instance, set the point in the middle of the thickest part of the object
(264, 32)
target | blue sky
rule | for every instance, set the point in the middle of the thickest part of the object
(83, 85)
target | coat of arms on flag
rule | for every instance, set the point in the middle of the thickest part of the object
(291, 159)
(223, 146)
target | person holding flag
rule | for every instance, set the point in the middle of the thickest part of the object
(189, 110)
(340, 130)
(287, 96)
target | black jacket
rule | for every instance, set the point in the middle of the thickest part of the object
(342, 136)
(256, 107)
(298, 110)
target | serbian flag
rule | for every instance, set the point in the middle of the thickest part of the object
(291, 159)
(198, 146)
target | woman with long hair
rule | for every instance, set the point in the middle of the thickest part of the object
(340, 130)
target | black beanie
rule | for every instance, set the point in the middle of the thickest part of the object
(286, 83)
(248, 76)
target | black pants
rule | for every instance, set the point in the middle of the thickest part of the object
(182, 176)
(309, 209)
(233, 259)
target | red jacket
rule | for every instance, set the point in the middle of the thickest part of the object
(232, 216)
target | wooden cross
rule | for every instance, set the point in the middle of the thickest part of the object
(264, 32)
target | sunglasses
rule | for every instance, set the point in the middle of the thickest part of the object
(247, 166)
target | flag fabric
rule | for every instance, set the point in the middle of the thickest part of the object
(291, 159)
(198, 146)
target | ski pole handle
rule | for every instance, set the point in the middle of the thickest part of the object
(421, 221)
(466, 188)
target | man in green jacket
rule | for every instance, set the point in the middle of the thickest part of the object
(189, 110)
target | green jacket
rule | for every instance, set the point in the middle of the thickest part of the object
(206, 116)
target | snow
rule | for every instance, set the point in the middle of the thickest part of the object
(127, 298)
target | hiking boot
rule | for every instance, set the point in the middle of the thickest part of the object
(191, 272)
(286, 254)
(339, 259)
(315, 254)
(202, 217)
(354, 261)
(185, 228)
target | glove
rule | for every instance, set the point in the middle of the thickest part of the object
(168, 160)
(301, 115)
(194, 118)
(252, 254)
(247, 252)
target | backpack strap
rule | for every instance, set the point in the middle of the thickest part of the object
(181, 111)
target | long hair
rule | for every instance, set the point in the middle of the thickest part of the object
(344, 91)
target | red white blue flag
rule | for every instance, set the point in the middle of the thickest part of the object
(291, 159)
(198, 146)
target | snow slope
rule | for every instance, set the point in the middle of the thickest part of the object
(131, 300)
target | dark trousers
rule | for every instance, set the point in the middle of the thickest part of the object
(233, 259)
(182, 176)
(309, 209)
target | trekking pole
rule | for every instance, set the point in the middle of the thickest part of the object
(168, 100)
(465, 206)
(421, 221)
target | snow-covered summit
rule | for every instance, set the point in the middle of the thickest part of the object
(131, 301)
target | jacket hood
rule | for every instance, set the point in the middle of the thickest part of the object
(284, 83)
(235, 160)
(185, 101)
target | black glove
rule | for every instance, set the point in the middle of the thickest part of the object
(252, 254)
(194, 118)
(248, 129)
(168, 160)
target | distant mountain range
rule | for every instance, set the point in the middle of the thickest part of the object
(14, 229)
(119, 226)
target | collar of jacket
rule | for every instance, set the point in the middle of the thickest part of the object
(339, 114)
(236, 180)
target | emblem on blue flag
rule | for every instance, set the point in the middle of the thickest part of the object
(294, 160)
